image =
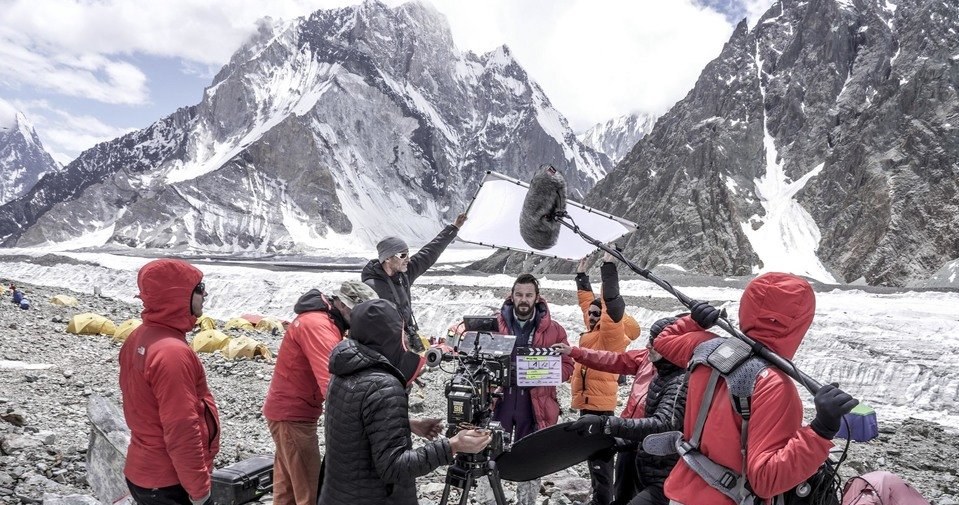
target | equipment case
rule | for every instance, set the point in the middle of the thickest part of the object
(243, 481)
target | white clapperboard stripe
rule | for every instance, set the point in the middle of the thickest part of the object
(537, 351)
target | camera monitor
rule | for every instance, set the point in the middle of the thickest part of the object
(480, 323)
(490, 344)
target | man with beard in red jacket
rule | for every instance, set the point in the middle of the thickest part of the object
(173, 420)
(775, 310)
(294, 402)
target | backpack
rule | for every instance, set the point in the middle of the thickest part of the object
(733, 360)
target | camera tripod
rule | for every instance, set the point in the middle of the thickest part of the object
(464, 471)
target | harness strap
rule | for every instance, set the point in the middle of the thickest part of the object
(704, 406)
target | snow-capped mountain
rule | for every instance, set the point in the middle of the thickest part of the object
(616, 137)
(23, 159)
(822, 142)
(327, 132)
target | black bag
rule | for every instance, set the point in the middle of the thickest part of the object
(821, 489)
(243, 482)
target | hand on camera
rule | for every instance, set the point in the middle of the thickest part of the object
(426, 428)
(470, 441)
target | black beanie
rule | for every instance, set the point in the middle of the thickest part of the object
(378, 325)
(597, 302)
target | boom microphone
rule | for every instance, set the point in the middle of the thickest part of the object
(544, 204)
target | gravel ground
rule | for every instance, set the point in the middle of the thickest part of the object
(47, 376)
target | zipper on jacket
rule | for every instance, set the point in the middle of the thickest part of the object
(208, 416)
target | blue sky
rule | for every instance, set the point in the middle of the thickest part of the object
(86, 71)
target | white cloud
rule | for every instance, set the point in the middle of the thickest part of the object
(63, 134)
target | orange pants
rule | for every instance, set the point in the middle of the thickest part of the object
(296, 466)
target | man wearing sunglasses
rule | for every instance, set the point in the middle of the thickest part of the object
(608, 328)
(392, 274)
(173, 419)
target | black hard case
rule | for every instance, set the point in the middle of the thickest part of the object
(243, 481)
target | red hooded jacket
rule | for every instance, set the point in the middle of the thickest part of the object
(776, 309)
(173, 419)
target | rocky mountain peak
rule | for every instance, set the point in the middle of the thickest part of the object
(23, 159)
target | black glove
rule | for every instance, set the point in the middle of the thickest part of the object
(831, 404)
(588, 425)
(660, 325)
(705, 314)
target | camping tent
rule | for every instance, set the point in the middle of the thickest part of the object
(246, 347)
(270, 325)
(880, 488)
(238, 323)
(125, 329)
(89, 323)
(209, 341)
(254, 319)
(206, 323)
(64, 301)
(862, 424)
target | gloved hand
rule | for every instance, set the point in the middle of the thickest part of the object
(705, 314)
(660, 325)
(831, 404)
(588, 425)
(200, 501)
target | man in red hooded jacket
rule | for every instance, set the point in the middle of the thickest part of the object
(776, 309)
(173, 420)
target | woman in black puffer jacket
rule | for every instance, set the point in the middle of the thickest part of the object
(370, 459)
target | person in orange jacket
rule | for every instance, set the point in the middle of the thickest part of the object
(173, 419)
(608, 328)
(776, 310)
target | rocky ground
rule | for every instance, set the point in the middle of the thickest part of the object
(47, 376)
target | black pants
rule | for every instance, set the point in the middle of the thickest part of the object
(601, 468)
(170, 495)
(652, 495)
(625, 477)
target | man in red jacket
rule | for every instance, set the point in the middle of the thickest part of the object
(776, 309)
(173, 420)
(295, 400)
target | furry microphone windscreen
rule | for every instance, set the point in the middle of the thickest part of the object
(538, 222)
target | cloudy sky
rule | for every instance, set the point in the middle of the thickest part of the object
(85, 71)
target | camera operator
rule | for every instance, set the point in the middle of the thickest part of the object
(522, 410)
(370, 456)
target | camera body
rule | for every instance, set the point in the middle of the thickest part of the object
(482, 361)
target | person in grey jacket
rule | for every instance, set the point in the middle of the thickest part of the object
(393, 272)
(370, 456)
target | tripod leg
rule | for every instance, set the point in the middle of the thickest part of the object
(465, 497)
(494, 482)
(446, 493)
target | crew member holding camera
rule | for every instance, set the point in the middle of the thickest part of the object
(392, 274)
(608, 328)
(523, 410)
(370, 456)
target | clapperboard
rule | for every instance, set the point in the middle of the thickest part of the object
(538, 366)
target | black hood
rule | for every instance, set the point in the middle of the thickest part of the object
(315, 301)
(373, 269)
(377, 325)
(349, 357)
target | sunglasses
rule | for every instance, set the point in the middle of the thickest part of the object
(200, 288)
(595, 313)
(402, 256)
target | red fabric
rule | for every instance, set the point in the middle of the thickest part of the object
(548, 332)
(173, 419)
(593, 389)
(776, 309)
(254, 319)
(635, 363)
(302, 374)
(880, 488)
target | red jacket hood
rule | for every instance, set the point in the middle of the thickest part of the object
(776, 309)
(166, 288)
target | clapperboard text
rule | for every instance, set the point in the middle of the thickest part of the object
(538, 366)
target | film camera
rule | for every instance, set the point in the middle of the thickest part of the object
(482, 359)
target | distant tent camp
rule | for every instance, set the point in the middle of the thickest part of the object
(206, 323)
(210, 341)
(238, 323)
(64, 301)
(246, 347)
(254, 319)
(862, 424)
(880, 488)
(125, 329)
(270, 325)
(91, 324)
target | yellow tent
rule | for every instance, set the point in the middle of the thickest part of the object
(238, 323)
(206, 323)
(125, 329)
(270, 325)
(246, 347)
(210, 341)
(91, 324)
(64, 301)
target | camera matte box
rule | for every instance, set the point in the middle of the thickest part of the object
(243, 481)
(481, 323)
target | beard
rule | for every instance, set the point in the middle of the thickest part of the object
(523, 310)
